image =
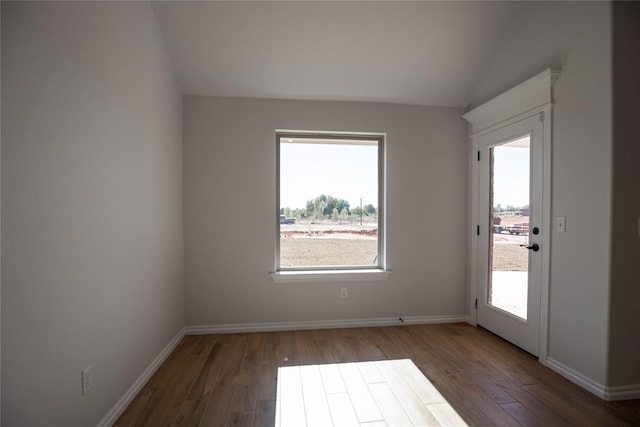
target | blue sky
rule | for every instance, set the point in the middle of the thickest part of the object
(511, 176)
(343, 171)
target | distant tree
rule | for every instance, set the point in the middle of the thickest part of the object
(369, 210)
(356, 211)
(335, 215)
(299, 213)
(344, 215)
(287, 212)
(316, 207)
(323, 206)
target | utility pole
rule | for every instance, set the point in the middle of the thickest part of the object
(361, 210)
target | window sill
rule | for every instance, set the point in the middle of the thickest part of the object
(310, 276)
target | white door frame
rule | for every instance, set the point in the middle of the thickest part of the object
(529, 98)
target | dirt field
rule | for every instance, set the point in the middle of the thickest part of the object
(328, 243)
(508, 255)
(326, 251)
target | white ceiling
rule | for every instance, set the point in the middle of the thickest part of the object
(425, 53)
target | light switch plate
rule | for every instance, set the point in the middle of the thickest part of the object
(561, 224)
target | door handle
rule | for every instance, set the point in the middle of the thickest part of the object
(535, 247)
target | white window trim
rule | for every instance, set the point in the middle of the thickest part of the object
(329, 273)
(316, 276)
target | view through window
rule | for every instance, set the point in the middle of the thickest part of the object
(509, 261)
(329, 199)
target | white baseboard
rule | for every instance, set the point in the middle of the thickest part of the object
(577, 378)
(624, 392)
(117, 410)
(321, 324)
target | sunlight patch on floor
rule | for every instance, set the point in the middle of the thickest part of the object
(379, 393)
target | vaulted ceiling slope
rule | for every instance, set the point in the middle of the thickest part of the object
(423, 53)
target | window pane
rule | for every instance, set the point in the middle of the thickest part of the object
(508, 260)
(328, 203)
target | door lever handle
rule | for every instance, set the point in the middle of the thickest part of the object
(535, 247)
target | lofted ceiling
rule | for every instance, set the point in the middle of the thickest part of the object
(424, 53)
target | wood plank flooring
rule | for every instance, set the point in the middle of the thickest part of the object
(232, 380)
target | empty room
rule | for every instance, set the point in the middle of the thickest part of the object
(319, 213)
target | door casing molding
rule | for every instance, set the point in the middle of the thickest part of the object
(532, 97)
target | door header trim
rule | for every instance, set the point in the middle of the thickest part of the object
(529, 95)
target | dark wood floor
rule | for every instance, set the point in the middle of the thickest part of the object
(219, 380)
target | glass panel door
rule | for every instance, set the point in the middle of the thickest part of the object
(509, 237)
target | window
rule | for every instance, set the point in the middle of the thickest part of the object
(330, 201)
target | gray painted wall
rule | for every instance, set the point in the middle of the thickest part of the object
(624, 353)
(92, 267)
(574, 37)
(230, 206)
(0, 217)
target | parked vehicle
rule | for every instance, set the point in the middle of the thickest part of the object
(519, 229)
(285, 220)
(497, 228)
(522, 228)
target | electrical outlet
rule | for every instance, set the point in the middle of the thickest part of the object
(87, 379)
(561, 224)
(344, 293)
